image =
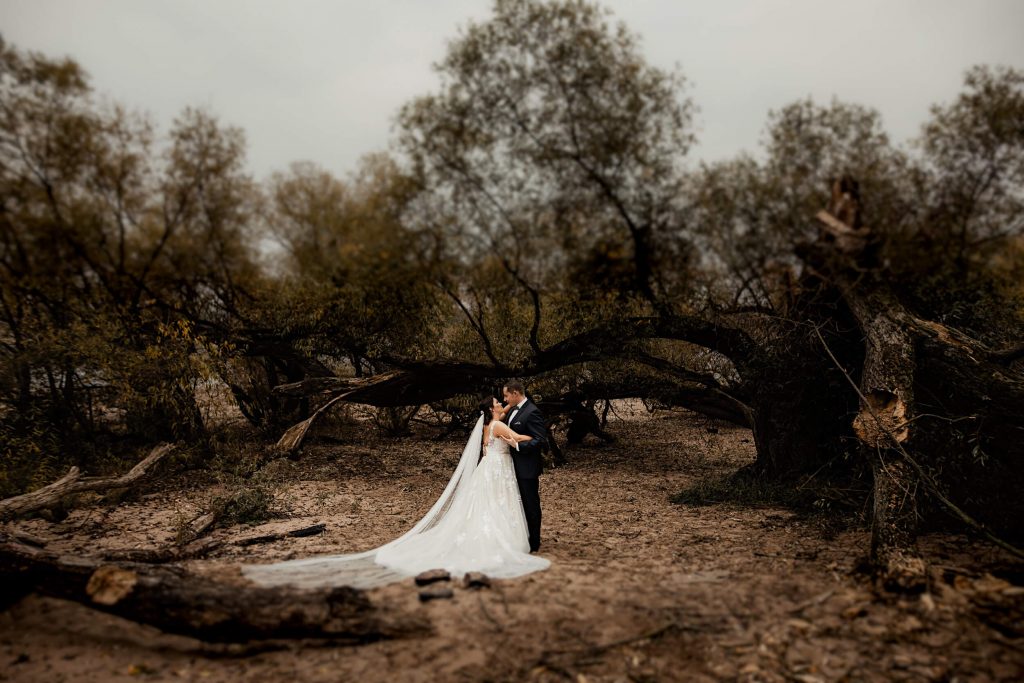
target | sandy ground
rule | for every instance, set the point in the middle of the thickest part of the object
(640, 589)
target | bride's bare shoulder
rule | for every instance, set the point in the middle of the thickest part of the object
(500, 428)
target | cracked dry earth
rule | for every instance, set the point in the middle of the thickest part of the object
(640, 589)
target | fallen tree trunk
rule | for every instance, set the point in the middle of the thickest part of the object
(332, 385)
(270, 538)
(195, 549)
(291, 441)
(421, 383)
(73, 482)
(175, 601)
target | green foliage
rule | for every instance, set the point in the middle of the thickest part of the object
(246, 485)
(751, 215)
(949, 215)
(394, 421)
(29, 457)
(743, 489)
(248, 503)
(116, 264)
(358, 288)
(966, 250)
(552, 149)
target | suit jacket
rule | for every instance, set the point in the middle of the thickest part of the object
(528, 460)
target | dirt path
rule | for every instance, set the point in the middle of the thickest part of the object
(640, 589)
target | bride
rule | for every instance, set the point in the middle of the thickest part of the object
(477, 524)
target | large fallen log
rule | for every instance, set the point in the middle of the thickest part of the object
(291, 441)
(423, 382)
(176, 601)
(73, 482)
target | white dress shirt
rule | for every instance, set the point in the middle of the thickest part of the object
(515, 410)
(512, 415)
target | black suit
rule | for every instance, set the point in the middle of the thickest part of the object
(529, 463)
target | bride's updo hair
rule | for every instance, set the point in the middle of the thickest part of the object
(485, 408)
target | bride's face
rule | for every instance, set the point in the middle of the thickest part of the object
(495, 409)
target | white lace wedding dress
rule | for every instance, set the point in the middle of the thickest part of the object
(477, 524)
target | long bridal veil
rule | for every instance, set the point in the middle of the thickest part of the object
(361, 570)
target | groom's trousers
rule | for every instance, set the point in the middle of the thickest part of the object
(529, 492)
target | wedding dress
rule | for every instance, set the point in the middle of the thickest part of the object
(477, 524)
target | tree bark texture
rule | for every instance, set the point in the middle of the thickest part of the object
(171, 599)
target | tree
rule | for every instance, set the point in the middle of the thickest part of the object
(358, 281)
(117, 266)
(552, 146)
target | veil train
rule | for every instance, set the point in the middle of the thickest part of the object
(361, 570)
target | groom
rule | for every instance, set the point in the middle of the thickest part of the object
(525, 418)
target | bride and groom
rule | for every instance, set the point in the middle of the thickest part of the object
(486, 520)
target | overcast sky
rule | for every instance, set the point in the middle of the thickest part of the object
(321, 80)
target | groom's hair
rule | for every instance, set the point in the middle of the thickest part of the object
(515, 386)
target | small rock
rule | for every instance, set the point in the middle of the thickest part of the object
(435, 593)
(432, 576)
(476, 580)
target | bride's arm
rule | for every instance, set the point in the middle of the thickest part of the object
(504, 431)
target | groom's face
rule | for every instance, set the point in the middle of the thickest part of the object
(511, 397)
